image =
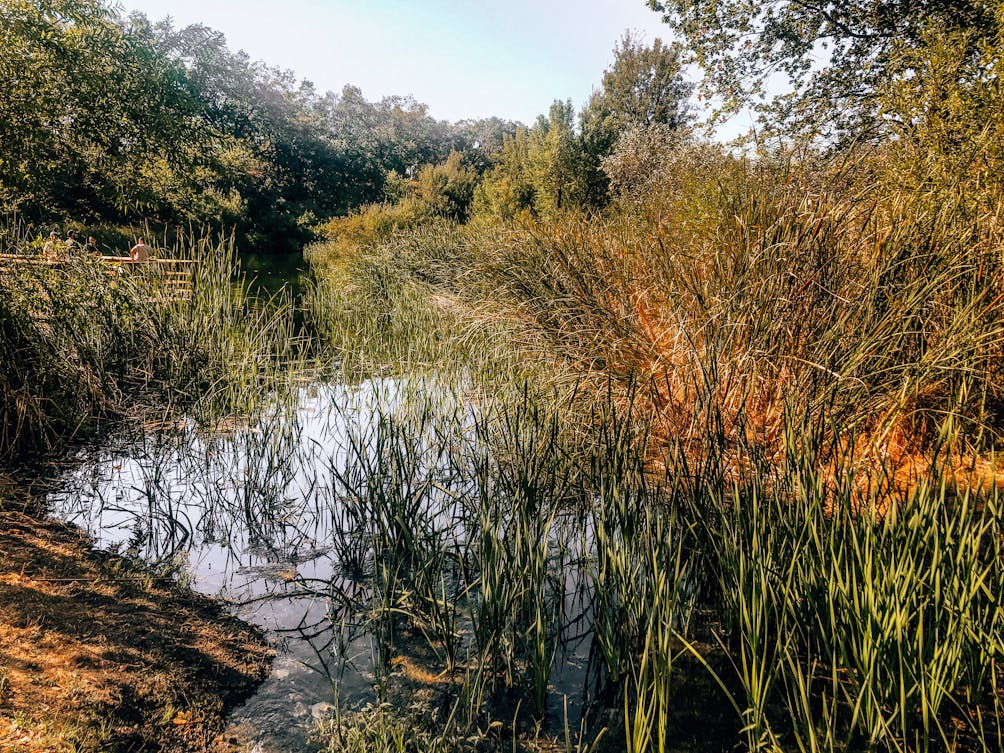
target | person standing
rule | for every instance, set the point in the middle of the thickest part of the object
(51, 248)
(92, 246)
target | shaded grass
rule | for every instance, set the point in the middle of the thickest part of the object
(101, 655)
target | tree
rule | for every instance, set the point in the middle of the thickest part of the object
(836, 55)
(270, 141)
(537, 171)
(506, 190)
(85, 103)
(554, 161)
(482, 140)
(644, 87)
(447, 189)
(105, 119)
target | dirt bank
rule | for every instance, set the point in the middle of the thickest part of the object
(97, 654)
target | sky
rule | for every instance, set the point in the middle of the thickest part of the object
(463, 58)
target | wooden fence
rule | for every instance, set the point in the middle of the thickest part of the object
(171, 279)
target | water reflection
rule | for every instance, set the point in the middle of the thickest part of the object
(329, 523)
(246, 516)
(272, 273)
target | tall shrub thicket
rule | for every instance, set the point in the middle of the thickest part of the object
(555, 166)
(861, 283)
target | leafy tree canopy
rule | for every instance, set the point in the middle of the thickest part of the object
(837, 56)
(644, 87)
(106, 119)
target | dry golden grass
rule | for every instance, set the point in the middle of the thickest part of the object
(97, 653)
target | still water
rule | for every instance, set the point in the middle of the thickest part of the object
(266, 516)
(243, 516)
(272, 273)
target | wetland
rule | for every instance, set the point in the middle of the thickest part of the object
(591, 435)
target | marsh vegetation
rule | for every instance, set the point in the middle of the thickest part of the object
(789, 492)
(587, 436)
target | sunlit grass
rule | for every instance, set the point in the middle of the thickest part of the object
(771, 411)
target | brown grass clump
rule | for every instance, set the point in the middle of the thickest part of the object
(747, 295)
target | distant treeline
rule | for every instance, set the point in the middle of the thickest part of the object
(112, 121)
(636, 119)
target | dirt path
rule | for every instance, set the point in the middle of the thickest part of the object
(98, 655)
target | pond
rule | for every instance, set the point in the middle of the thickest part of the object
(271, 273)
(296, 518)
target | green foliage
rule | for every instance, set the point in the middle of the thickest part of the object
(859, 616)
(113, 120)
(865, 45)
(381, 730)
(440, 193)
(74, 120)
(837, 609)
(554, 168)
(644, 88)
(367, 225)
(949, 119)
(554, 161)
(506, 191)
(657, 160)
(447, 189)
(539, 170)
(370, 300)
(483, 139)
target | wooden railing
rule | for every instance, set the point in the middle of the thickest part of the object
(172, 278)
(7, 260)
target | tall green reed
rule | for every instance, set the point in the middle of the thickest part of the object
(85, 341)
(796, 345)
(856, 614)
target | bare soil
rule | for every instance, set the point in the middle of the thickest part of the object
(97, 653)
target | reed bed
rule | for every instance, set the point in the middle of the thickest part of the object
(730, 290)
(81, 344)
(885, 317)
(767, 401)
(824, 624)
(485, 543)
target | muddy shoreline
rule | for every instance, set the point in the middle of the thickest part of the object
(98, 652)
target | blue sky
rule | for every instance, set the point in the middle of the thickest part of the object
(463, 58)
